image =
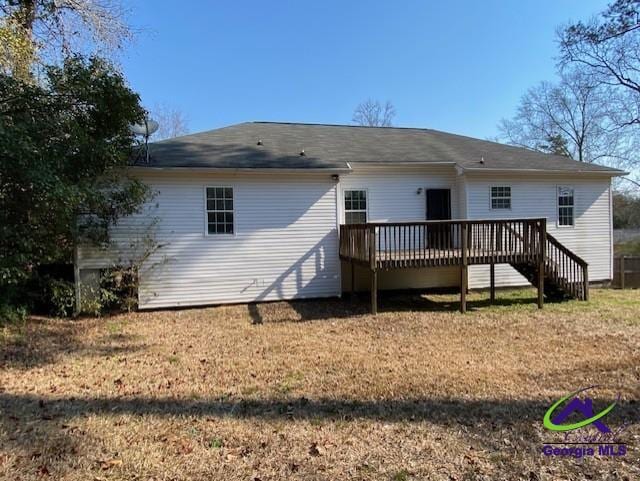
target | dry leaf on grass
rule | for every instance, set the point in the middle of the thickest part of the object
(110, 463)
(415, 392)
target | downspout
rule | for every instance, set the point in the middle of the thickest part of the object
(336, 188)
(611, 253)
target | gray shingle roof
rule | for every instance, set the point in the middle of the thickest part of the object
(271, 145)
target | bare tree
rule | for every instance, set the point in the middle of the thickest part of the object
(607, 47)
(372, 113)
(48, 30)
(172, 122)
(571, 118)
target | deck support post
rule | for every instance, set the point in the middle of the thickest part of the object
(585, 289)
(622, 268)
(374, 272)
(374, 292)
(541, 260)
(492, 283)
(463, 289)
(352, 291)
(463, 269)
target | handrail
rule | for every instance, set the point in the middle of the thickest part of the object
(556, 243)
(446, 221)
(567, 268)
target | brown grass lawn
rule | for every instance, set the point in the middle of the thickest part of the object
(317, 390)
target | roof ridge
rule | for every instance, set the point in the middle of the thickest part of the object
(323, 124)
(442, 132)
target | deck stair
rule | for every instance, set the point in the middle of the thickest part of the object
(565, 273)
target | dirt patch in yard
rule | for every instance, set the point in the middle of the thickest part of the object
(318, 390)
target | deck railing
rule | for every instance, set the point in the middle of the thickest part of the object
(567, 269)
(439, 243)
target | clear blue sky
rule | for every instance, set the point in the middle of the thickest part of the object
(453, 66)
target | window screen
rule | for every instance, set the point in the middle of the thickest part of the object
(565, 206)
(501, 197)
(355, 206)
(219, 210)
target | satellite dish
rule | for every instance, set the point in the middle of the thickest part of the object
(147, 128)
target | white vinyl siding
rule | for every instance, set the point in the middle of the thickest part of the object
(537, 197)
(393, 191)
(393, 196)
(284, 245)
(285, 242)
(461, 193)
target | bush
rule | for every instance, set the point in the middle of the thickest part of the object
(120, 288)
(62, 297)
(50, 291)
(11, 314)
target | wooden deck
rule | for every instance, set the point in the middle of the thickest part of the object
(523, 243)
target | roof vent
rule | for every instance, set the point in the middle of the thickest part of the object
(259, 142)
(302, 152)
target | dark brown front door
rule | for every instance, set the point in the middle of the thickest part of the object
(439, 208)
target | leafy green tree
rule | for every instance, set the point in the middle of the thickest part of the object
(626, 211)
(64, 146)
(555, 144)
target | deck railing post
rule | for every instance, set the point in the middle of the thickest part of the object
(463, 269)
(541, 261)
(372, 247)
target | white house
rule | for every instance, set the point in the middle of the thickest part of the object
(252, 212)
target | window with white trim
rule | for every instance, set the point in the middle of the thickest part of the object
(501, 197)
(355, 206)
(219, 210)
(565, 206)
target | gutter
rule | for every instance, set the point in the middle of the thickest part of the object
(237, 170)
(489, 170)
(402, 164)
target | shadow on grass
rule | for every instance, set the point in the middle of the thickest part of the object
(388, 301)
(491, 420)
(466, 412)
(399, 301)
(39, 343)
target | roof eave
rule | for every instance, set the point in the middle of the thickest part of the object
(610, 173)
(231, 170)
